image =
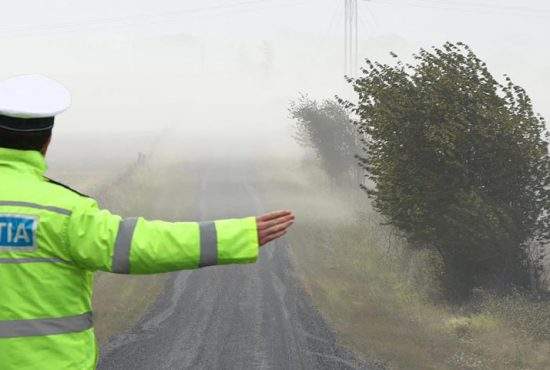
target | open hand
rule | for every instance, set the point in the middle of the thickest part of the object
(273, 225)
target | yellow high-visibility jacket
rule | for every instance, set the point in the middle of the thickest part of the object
(52, 239)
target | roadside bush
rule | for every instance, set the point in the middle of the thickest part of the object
(326, 128)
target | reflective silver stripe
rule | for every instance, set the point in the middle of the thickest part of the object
(31, 260)
(39, 327)
(209, 244)
(121, 253)
(10, 203)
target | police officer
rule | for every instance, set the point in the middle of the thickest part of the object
(52, 239)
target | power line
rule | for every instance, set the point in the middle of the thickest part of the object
(365, 23)
(373, 17)
(142, 19)
(475, 8)
(107, 20)
(331, 24)
(489, 6)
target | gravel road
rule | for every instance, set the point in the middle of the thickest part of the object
(231, 317)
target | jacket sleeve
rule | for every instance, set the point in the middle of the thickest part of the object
(99, 240)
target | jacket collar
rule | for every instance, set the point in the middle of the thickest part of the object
(27, 161)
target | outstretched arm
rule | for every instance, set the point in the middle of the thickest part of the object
(99, 240)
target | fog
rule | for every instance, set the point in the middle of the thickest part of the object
(219, 75)
(180, 111)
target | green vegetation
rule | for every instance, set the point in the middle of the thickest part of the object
(382, 297)
(459, 165)
(441, 268)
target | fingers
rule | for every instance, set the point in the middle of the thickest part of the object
(273, 215)
(274, 232)
(277, 228)
(272, 237)
(262, 225)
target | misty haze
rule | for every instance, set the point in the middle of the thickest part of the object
(374, 121)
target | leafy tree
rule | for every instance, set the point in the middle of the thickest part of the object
(459, 162)
(327, 129)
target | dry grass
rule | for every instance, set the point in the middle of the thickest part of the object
(380, 297)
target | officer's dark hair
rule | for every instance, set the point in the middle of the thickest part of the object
(25, 134)
(25, 140)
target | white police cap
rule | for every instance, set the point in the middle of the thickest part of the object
(30, 102)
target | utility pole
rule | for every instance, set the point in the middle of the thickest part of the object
(351, 37)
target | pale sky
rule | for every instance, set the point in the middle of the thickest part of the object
(233, 66)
